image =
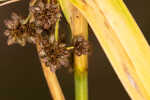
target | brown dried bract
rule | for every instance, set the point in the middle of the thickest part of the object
(81, 46)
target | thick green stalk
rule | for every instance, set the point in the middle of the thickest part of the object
(79, 27)
(81, 85)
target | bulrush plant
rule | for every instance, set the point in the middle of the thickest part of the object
(112, 24)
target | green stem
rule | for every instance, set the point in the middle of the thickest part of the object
(81, 85)
(79, 27)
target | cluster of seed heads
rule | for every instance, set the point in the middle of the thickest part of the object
(39, 29)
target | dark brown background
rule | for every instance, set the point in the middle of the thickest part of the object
(21, 77)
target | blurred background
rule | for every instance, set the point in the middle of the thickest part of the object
(21, 76)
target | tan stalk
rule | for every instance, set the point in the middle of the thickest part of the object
(122, 41)
(52, 82)
(51, 78)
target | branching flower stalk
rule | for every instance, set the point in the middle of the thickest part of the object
(26, 30)
(50, 75)
(41, 28)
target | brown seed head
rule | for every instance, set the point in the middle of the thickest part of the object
(81, 46)
(18, 32)
(45, 15)
(15, 30)
(54, 55)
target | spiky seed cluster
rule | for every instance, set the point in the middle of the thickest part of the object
(45, 14)
(40, 30)
(54, 55)
(81, 46)
(18, 32)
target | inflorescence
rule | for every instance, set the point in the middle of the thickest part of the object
(45, 15)
(81, 46)
(40, 30)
